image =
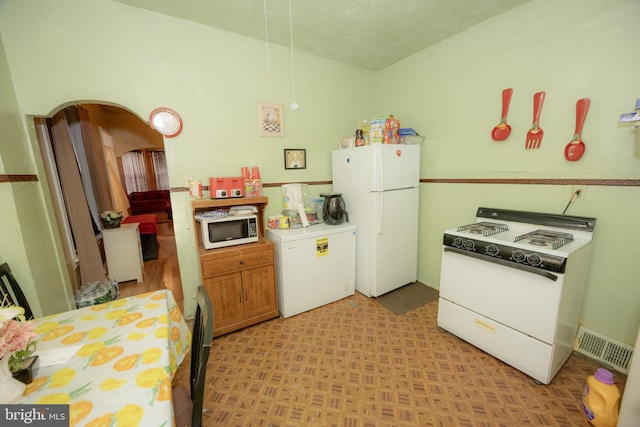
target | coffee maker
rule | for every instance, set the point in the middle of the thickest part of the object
(333, 209)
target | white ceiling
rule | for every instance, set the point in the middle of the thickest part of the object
(371, 34)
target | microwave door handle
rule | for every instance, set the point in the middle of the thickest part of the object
(526, 268)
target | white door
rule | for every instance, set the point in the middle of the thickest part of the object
(316, 270)
(503, 293)
(350, 169)
(394, 166)
(630, 406)
(394, 239)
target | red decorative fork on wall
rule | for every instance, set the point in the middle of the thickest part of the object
(535, 134)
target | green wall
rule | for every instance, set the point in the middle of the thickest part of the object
(451, 94)
(72, 50)
(76, 51)
(28, 242)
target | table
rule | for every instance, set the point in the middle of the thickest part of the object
(122, 374)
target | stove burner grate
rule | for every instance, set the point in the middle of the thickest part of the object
(546, 237)
(485, 228)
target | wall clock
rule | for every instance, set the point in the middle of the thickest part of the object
(166, 121)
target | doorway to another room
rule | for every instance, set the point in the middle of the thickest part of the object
(110, 155)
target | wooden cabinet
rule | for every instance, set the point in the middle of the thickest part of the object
(123, 252)
(239, 279)
(241, 283)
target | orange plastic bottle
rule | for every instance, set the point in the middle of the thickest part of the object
(601, 399)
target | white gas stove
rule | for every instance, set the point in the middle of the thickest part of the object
(512, 284)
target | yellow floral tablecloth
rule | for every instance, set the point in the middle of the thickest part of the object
(121, 376)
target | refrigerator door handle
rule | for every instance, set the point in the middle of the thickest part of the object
(379, 205)
(378, 170)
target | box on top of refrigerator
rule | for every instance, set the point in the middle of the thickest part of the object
(385, 130)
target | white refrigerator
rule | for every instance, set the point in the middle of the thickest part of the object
(315, 265)
(379, 185)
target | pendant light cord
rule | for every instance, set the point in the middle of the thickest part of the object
(266, 40)
(293, 78)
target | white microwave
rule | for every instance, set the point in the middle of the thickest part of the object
(228, 230)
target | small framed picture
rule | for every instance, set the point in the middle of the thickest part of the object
(270, 120)
(295, 158)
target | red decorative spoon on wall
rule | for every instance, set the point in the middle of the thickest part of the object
(575, 148)
(502, 130)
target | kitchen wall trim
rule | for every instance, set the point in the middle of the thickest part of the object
(264, 185)
(18, 178)
(601, 182)
(573, 181)
(533, 181)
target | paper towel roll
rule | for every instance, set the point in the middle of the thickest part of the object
(292, 196)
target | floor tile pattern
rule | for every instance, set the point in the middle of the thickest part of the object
(354, 363)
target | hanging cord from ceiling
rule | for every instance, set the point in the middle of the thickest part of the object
(266, 40)
(294, 103)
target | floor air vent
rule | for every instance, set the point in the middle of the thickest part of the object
(602, 348)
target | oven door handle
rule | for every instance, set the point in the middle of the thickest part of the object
(501, 261)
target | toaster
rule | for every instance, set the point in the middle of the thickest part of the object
(226, 187)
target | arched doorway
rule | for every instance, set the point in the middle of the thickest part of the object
(105, 132)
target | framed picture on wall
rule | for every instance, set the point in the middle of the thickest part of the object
(295, 158)
(270, 120)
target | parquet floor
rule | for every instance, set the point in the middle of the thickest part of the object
(354, 363)
(160, 273)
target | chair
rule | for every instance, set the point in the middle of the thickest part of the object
(10, 291)
(188, 405)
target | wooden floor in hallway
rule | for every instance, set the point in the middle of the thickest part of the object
(160, 273)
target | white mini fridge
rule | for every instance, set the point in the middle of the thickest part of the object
(315, 265)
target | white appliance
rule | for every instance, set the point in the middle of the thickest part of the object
(630, 405)
(512, 284)
(379, 184)
(314, 265)
(219, 230)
